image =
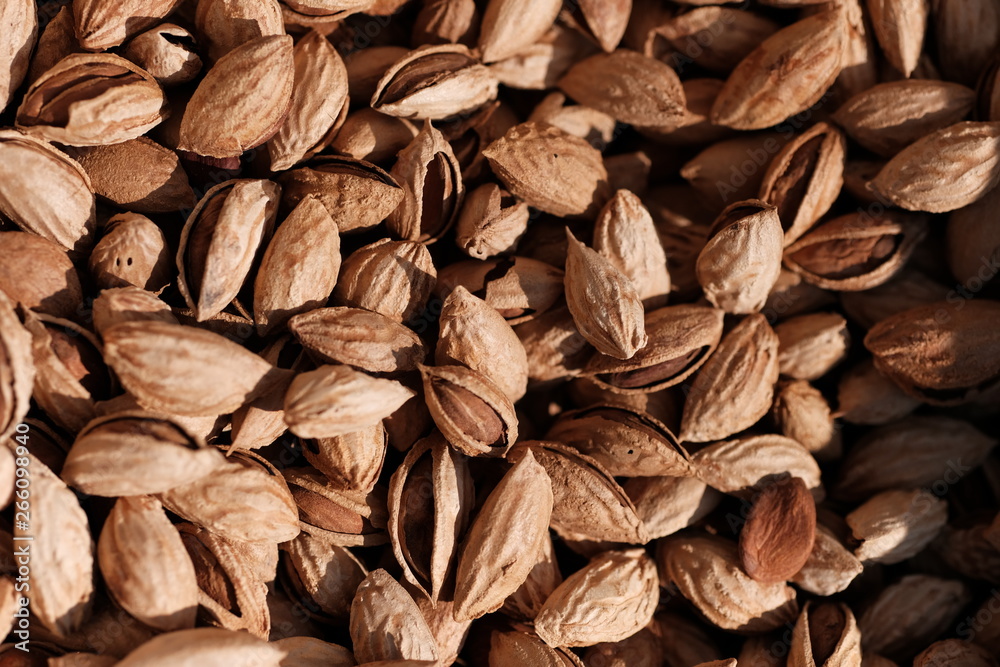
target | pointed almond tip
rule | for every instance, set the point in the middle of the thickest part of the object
(717, 116)
(524, 458)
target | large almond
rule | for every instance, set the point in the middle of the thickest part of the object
(242, 101)
(942, 353)
(785, 75)
(575, 183)
(629, 87)
(184, 370)
(944, 171)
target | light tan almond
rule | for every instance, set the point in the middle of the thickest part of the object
(611, 598)
(576, 180)
(735, 387)
(435, 82)
(627, 86)
(804, 179)
(184, 370)
(299, 269)
(511, 26)
(741, 260)
(944, 170)
(21, 22)
(208, 647)
(145, 566)
(319, 103)
(242, 101)
(890, 116)
(62, 209)
(785, 75)
(707, 571)
(104, 24)
(742, 465)
(830, 568)
(62, 566)
(334, 400)
(895, 525)
(587, 501)
(899, 26)
(67, 103)
(492, 565)
(386, 624)
(618, 328)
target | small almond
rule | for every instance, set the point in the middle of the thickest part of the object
(778, 536)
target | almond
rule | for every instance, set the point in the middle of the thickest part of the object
(778, 536)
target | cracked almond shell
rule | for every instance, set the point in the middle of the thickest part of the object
(69, 103)
(431, 488)
(435, 82)
(627, 442)
(63, 208)
(588, 502)
(857, 251)
(473, 413)
(681, 339)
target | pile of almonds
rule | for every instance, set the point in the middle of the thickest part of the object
(607, 333)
